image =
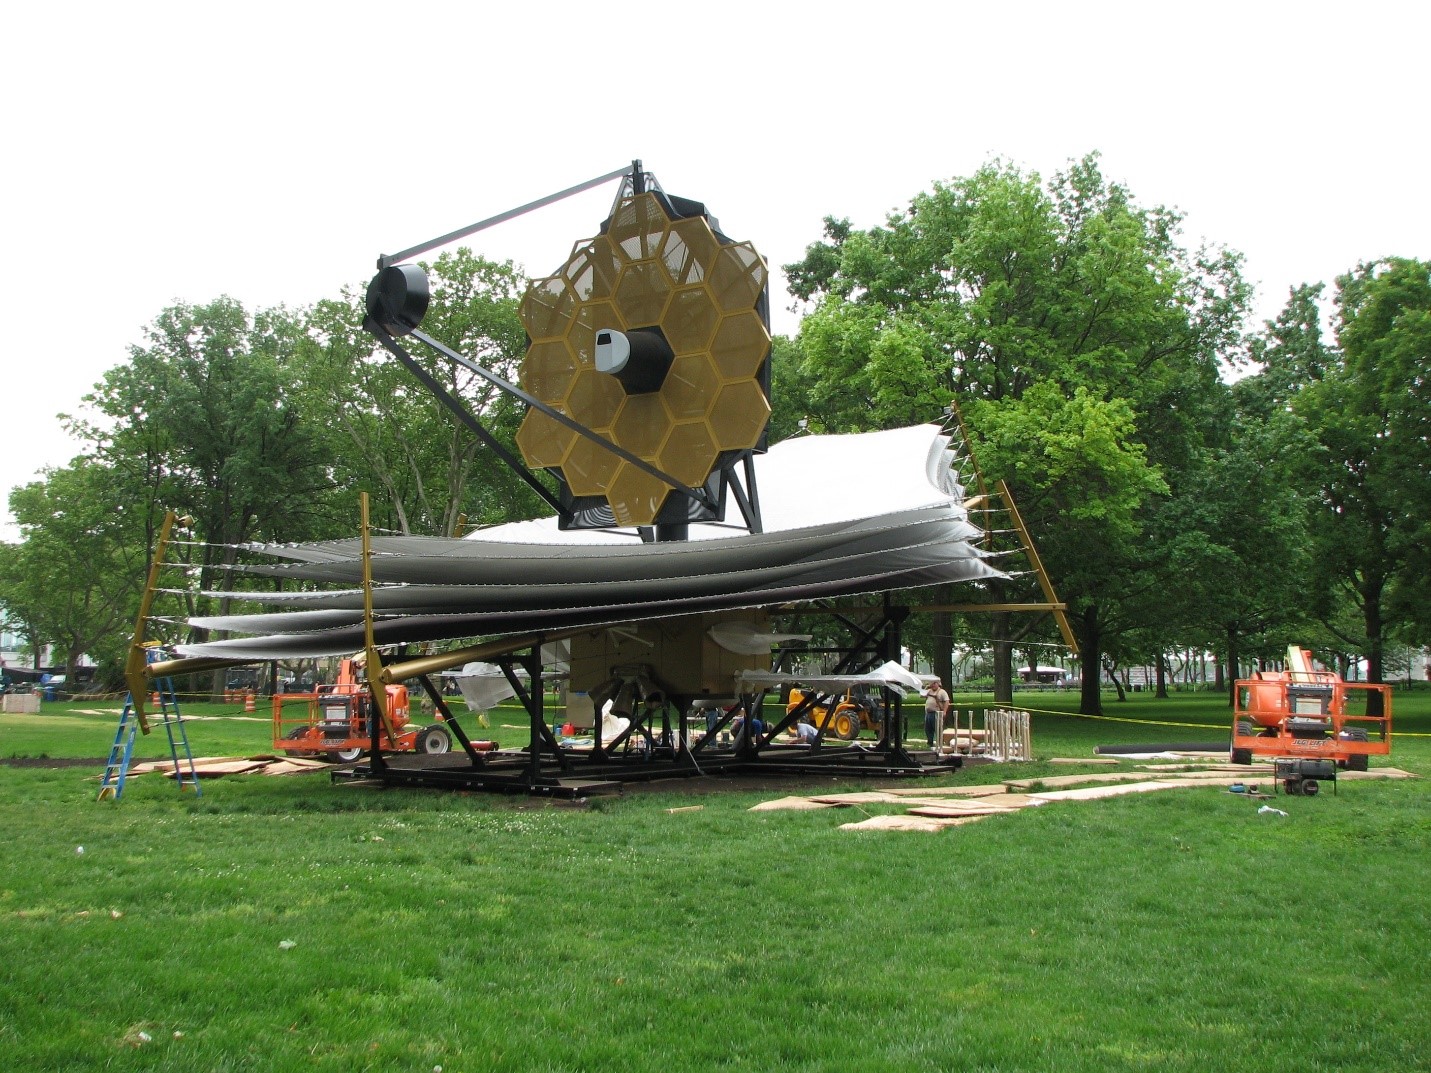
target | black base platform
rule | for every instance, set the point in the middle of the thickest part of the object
(575, 774)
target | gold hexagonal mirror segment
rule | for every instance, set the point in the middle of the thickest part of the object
(739, 415)
(636, 497)
(592, 270)
(741, 344)
(589, 468)
(738, 278)
(642, 293)
(594, 399)
(690, 320)
(546, 308)
(688, 251)
(688, 453)
(691, 385)
(642, 425)
(548, 370)
(542, 441)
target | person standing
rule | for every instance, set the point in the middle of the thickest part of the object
(936, 705)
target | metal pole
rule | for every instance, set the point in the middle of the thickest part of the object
(386, 260)
(372, 664)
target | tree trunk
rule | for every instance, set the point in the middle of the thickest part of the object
(1118, 687)
(1162, 678)
(1003, 658)
(1375, 645)
(1231, 683)
(1090, 642)
(72, 658)
(942, 629)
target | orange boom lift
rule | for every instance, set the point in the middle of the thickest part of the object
(337, 721)
(1310, 721)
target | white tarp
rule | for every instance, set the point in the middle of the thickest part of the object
(890, 674)
(807, 480)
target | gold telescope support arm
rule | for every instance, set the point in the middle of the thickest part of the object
(136, 664)
(1059, 614)
(486, 650)
(979, 500)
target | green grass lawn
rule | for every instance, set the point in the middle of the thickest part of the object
(295, 924)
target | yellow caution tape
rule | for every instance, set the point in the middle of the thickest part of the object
(1170, 723)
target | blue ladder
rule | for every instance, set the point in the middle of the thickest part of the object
(116, 769)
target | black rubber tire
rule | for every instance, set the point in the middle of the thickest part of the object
(1357, 762)
(432, 740)
(1244, 728)
(298, 732)
(346, 756)
(1241, 756)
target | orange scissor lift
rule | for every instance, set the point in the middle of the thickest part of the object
(1311, 722)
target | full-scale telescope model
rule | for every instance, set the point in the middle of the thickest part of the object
(646, 383)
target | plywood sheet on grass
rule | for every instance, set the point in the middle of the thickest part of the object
(294, 767)
(908, 823)
(1095, 793)
(948, 811)
(792, 804)
(949, 791)
(1187, 768)
(143, 767)
(1057, 782)
(1061, 781)
(231, 767)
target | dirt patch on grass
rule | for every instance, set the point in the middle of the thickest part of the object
(52, 761)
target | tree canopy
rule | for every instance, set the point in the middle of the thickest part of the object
(1082, 341)
(1354, 416)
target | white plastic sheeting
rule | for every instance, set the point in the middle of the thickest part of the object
(890, 674)
(843, 515)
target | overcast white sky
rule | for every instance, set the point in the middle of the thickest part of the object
(269, 151)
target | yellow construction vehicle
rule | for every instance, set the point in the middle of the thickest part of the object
(845, 715)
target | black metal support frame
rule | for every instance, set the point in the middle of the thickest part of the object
(656, 743)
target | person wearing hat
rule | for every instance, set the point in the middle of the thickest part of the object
(936, 704)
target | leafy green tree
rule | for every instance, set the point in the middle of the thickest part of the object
(75, 578)
(386, 432)
(1082, 340)
(1364, 412)
(1236, 537)
(202, 420)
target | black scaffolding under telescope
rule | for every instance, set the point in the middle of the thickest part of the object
(668, 735)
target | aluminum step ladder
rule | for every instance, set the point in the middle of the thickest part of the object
(116, 769)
